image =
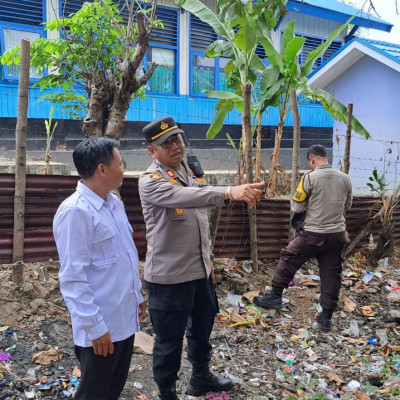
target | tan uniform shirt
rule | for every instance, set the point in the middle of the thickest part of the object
(175, 212)
(324, 194)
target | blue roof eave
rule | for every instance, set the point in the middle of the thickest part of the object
(365, 20)
(359, 40)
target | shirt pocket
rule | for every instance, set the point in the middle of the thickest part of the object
(178, 214)
(104, 247)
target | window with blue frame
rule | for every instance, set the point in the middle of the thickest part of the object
(20, 19)
(163, 48)
(311, 43)
(205, 73)
(163, 51)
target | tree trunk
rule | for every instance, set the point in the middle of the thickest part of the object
(116, 118)
(295, 152)
(258, 153)
(296, 142)
(273, 168)
(95, 121)
(248, 139)
(346, 159)
(20, 161)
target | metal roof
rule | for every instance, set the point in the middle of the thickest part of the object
(338, 11)
(391, 50)
(350, 53)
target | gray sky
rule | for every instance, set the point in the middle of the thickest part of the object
(387, 11)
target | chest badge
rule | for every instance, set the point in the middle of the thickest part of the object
(201, 180)
(174, 181)
(179, 211)
(170, 173)
(155, 176)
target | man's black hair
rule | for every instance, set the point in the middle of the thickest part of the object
(91, 152)
(317, 150)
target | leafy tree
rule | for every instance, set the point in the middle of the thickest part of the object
(99, 52)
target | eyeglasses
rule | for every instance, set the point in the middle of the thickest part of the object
(175, 139)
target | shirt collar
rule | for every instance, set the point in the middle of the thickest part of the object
(96, 201)
(324, 166)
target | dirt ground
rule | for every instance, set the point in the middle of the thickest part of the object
(360, 359)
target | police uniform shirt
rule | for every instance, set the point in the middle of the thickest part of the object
(175, 207)
(323, 194)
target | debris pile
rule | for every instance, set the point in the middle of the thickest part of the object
(269, 354)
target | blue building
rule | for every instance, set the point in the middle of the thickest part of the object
(177, 84)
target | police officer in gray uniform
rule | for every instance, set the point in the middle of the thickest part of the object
(323, 195)
(178, 265)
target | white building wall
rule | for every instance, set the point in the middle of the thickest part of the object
(374, 90)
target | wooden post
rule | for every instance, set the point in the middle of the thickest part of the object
(346, 158)
(20, 162)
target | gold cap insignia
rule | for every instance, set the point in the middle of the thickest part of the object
(164, 125)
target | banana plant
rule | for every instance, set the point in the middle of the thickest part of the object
(284, 75)
(239, 41)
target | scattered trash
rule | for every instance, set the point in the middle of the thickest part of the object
(47, 356)
(144, 343)
(367, 276)
(217, 396)
(372, 341)
(286, 356)
(5, 357)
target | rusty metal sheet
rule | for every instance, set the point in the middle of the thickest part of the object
(45, 193)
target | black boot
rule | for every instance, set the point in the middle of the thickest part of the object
(274, 300)
(324, 320)
(168, 392)
(203, 381)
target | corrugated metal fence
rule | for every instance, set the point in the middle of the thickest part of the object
(45, 193)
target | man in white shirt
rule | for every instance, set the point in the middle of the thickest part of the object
(99, 276)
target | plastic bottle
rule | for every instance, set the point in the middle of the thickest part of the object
(383, 339)
(367, 276)
(74, 380)
(372, 341)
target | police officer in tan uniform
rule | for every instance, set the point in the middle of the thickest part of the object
(178, 266)
(323, 194)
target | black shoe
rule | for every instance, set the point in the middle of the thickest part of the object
(168, 392)
(268, 302)
(203, 381)
(324, 323)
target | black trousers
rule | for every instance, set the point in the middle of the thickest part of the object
(189, 306)
(327, 249)
(103, 378)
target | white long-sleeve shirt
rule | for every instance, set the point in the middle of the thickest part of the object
(99, 277)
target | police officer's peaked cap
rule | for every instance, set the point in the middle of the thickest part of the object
(159, 131)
